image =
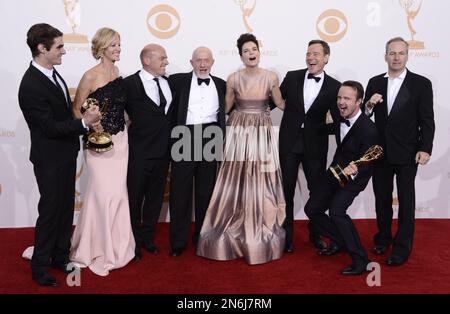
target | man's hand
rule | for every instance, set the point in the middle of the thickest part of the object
(91, 115)
(97, 126)
(375, 99)
(422, 158)
(351, 169)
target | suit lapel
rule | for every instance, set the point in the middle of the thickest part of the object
(402, 96)
(69, 101)
(184, 97)
(337, 132)
(49, 84)
(322, 91)
(352, 130)
(140, 88)
(301, 83)
(383, 111)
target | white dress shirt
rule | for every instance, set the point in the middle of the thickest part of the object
(311, 89)
(203, 106)
(49, 73)
(345, 128)
(151, 88)
(394, 84)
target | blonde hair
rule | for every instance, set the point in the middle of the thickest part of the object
(101, 40)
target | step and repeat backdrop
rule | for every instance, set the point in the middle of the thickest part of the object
(356, 30)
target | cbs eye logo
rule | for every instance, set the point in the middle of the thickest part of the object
(332, 25)
(163, 21)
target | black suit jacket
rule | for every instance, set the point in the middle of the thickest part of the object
(359, 138)
(410, 125)
(149, 131)
(181, 84)
(315, 130)
(53, 130)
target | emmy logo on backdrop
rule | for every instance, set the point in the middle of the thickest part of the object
(374, 152)
(246, 12)
(411, 14)
(73, 17)
(96, 140)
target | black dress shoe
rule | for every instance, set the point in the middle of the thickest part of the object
(395, 260)
(317, 241)
(289, 248)
(175, 253)
(379, 249)
(330, 250)
(353, 270)
(45, 279)
(151, 248)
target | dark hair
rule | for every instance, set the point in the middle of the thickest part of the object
(41, 34)
(324, 44)
(357, 87)
(245, 38)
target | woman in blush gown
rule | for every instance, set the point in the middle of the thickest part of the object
(247, 208)
(103, 239)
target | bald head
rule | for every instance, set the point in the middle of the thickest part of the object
(154, 59)
(202, 61)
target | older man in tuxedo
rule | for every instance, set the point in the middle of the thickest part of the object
(309, 94)
(200, 101)
(402, 103)
(355, 133)
(45, 103)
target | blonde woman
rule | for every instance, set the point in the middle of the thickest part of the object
(103, 239)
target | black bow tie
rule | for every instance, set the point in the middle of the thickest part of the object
(200, 81)
(347, 122)
(315, 78)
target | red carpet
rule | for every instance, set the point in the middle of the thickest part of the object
(303, 271)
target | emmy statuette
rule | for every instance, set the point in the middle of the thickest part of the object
(374, 152)
(97, 141)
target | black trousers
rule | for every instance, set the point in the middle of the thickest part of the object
(383, 186)
(146, 181)
(54, 224)
(337, 226)
(314, 169)
(194, 177)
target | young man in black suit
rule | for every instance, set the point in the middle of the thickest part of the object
(200, 101)
(354, 135)
(149, 107)
(402, 102)
(45, 103)
(309, 94)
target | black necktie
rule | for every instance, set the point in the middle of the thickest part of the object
(162, 99)
(315, 78)
(200, 81)
(347, 122)
(57, 84)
